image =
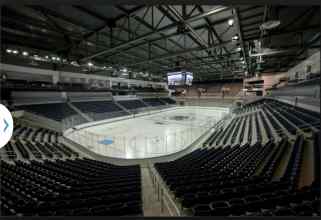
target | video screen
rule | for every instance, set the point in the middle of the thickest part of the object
(179, 78)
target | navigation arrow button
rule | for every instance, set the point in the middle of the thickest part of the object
(7, 125)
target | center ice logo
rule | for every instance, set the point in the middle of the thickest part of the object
(106, 141)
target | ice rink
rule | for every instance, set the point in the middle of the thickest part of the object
(152, 135)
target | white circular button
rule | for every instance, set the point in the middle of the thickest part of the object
(6, 125)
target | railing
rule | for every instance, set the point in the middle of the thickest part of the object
(75, 120)
(163, 194)
(206, 101)
(106, 115)
(149, 109)
(284, 132)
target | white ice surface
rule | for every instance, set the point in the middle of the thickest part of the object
(151, 135)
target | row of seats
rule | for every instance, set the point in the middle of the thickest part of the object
(132, 104)
(294, 165)
(316, 153)
(289, 116)
(231, 133)
(282, 120)
(136, 103)
(99, 110)
(225, 181)
(242, 177)
(28, 150)
(71, 187)
(54, 111)
(153, 101)
(30, 142)
(34, 134)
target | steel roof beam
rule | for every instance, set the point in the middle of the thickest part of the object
(259, 14)
(298, 18)
(237, 17)
(211, 27)
(192, 34)
(106, 20)
(250, 8)
(58, 15)
(128, 13)
(103, 19)
(167, 56)
(278, 33)
(140, 38)
(314, 39)
(171, 35)
(146, 24)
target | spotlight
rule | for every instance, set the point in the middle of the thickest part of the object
(58, 58)
(53, 58)
(25, 53)
(46, 57)
(9, 51)
(15, 52)
(125, 70)
(235, 37)
(230, 22)
(90, 64)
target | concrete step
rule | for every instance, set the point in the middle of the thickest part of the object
(151, 204)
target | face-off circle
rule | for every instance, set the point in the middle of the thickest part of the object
(179, 118)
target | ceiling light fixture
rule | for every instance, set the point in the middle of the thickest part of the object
(230, 22)
(25, 53)
(90, 64)
(235, 37)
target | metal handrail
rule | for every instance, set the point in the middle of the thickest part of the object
(163, 191)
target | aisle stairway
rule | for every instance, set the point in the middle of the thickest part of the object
(151, 204)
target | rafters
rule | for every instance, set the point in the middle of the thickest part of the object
(158, 37)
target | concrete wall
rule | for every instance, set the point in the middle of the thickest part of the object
(301, 68)
(270, 79)
(30, 73)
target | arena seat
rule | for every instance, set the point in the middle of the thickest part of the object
(100, 109)
(153, 101)
(132, 104)
(249, 194)
(55, 111)
(71, 187)
(39, 143)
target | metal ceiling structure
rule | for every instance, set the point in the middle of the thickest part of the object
(161, 38)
